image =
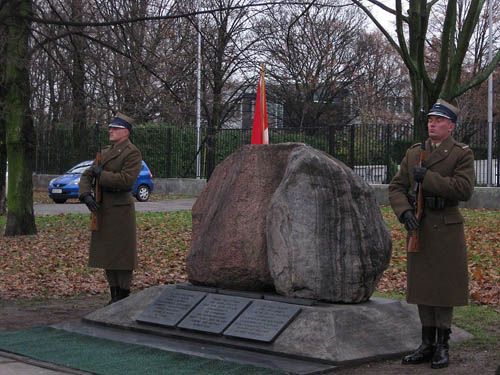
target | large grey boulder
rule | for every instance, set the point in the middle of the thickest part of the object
(326, 236)
(291, 218)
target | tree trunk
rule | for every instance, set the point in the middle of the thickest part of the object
(3, 150)
(78, 90)
(20, 134)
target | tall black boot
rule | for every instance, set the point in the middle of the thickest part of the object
(114, 294)
(441, 356)
(123, 293)
(426, 349)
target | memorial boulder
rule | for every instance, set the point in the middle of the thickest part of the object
(290, 218)
(326, 238)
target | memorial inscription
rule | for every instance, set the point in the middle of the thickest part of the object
(214, 314)
(262, 321)
(170, 307)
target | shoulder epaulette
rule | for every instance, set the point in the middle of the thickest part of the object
(416, 144)
(463, 146)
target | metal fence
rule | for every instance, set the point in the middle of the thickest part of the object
(372, 151)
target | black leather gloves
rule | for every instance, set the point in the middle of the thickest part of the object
(419, 173)
(89, 201)
(410, 220)
(96, 170)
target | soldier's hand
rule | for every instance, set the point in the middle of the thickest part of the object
(89, 201)
(96, 170)
(419, 173)
(410, 220)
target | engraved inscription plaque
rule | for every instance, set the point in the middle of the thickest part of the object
(170, 307)
(263, 321)
(214, 313)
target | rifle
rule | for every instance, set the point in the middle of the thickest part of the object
(413, 246)
(94, 224)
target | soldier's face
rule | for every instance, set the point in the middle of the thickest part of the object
(439, 128)
(118, 135)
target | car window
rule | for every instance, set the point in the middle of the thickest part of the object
(78, 169)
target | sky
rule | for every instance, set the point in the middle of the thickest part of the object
(386, 19)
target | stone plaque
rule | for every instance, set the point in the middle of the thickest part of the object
(263, 321)
(214, 314)
(170, 307)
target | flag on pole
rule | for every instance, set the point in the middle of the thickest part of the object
(260, 134)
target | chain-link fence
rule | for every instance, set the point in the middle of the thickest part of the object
(373, 151)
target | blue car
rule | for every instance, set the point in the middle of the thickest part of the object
(66, 186)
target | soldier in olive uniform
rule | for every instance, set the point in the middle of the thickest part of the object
(437, 276)
(113, 244)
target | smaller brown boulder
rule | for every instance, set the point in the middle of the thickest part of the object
(228, 247)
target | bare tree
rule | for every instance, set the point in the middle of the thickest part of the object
(228, 63)
(17, 118)
(3, 147)
(412, 29)
(381, 95)
(313, 58)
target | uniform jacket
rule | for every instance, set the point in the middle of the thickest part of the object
(114, 246)
(437, 275)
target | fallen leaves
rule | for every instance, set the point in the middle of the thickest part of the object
(482, 230)
(53, 263)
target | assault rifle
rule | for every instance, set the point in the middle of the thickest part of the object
(94, 224)
(413, 246)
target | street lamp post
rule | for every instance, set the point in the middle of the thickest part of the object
(198, 105)
(489, 168)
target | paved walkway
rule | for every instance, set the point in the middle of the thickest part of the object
(75, 207)
(13, 364)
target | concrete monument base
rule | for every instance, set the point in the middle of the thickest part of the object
(325, 334)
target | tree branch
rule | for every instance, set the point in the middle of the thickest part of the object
(378, 24)
(158, 18)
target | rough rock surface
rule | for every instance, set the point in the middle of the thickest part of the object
(290, 218)
(326, 237)
(228, 246)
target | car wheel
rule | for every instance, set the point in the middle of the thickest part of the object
(143, 193)
(59, 200)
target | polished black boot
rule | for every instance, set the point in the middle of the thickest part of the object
(441, 356)
(425, 351)
(123, 293)
(114, 294)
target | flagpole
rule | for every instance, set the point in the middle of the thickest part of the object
(262, 102)
(489, 166)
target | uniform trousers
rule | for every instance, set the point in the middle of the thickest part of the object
(120, 278)
(435, 316)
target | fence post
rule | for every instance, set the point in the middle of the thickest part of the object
(352, 131)
(169, 153)
(331, 140)
(211, 151)
(388, 153)
(498, 154)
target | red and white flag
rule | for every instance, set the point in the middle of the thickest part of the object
(260, 133)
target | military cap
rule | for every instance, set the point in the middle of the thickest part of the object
(444, 109)
(122, 121)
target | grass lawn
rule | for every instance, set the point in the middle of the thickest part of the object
(54, 262)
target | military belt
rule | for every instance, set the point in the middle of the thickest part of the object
(114, 190)
(438, 203)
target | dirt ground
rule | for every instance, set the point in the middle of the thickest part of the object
(466, 359)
